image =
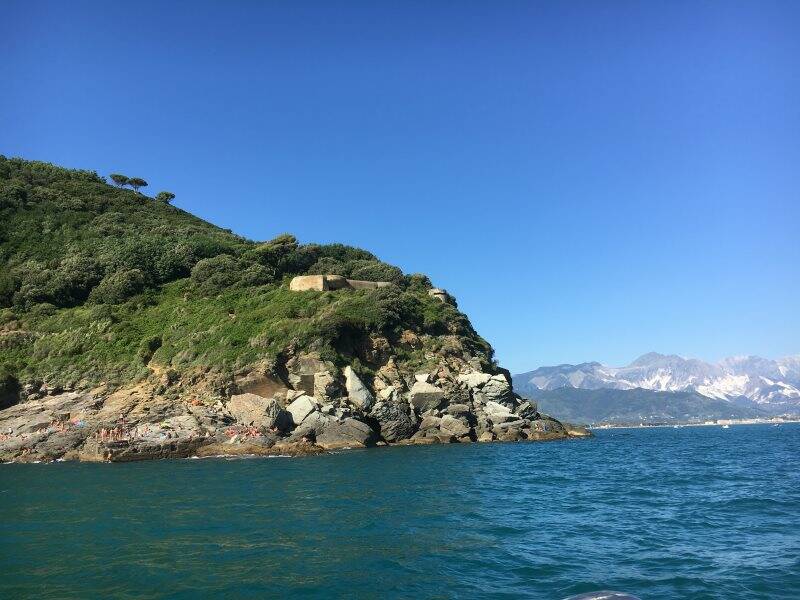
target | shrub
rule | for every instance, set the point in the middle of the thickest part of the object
(165, 197)
(376, 271)
(329, 266)
(74, 279)
(8, 285)
(417, 282)
(214, 275)
(344, 253)
(9, 387)
(34, 284)
(118, 286)
(256, 275)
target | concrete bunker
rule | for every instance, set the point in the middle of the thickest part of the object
(325, 283)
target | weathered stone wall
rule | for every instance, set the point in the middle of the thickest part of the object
(322, 283)
(308, 282)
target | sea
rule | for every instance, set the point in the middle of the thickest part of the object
(660, 513)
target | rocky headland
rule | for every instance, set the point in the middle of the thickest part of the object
(132, 330)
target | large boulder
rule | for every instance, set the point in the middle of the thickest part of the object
(300, 408)
(430, 422)
(458, 410)
(348, 433)
(425, 396)
(474, 380)
(251, 409)
(450, 425)
(394, 422)
(498, 413)
(311, 427)
(326, 387)
(527, 410)
(498, 389)
(260, 384)
(357, 393)
(389, 375)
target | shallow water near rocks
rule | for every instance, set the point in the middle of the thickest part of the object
(700, 512)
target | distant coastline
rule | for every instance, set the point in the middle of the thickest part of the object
(719, 423)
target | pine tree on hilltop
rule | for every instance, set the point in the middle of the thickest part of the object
(119, 179)
(136, 183)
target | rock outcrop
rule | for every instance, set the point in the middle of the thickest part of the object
(314, 407)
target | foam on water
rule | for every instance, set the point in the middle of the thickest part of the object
(658, 513)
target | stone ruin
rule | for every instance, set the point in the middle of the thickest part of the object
(324, 283)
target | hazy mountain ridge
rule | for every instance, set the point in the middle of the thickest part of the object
(771, 386)
(637, 406)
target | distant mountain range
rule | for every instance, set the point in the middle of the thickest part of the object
(667, 387)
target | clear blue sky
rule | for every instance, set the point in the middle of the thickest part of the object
(591, 180)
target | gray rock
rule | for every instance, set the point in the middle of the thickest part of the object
(516, 424)
(430, 422)
(357, 393)
(458, 410)
(388, 393)
(495, 409)
(511, 434)
(394, 422)
(347, 433)
(303, 382)
(425, 396)
(326, 386)
(251, 409)
(474, 380)
(300, 408)
(498, 389)
(527, 410)
(453, 426)
(311, 427)
(479, 398)
(547, 425)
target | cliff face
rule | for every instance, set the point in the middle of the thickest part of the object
(132, 330)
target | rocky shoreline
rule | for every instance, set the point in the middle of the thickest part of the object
(305, 407)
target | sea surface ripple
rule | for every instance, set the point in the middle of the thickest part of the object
(700, 512)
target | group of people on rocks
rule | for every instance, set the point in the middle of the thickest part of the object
(250, 431)
(112, 434)
(59, 425)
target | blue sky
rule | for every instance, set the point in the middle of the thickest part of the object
(591, 180)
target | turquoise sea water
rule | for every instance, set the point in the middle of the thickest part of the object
(661, 513)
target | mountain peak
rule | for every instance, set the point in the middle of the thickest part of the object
(651, 358)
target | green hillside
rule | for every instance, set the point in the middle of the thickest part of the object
(103, 284)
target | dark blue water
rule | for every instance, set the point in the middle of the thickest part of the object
(661, 513)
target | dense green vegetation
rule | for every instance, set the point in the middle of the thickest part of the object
(97, 282)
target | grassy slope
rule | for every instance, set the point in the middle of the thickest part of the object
(202, 297)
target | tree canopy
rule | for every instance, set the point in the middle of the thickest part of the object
(165, 197)
(136, 183)
(119, 179)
